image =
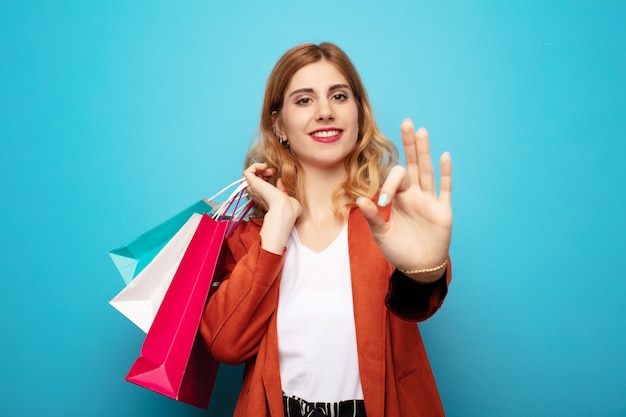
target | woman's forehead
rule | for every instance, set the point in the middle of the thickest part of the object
(319, 75)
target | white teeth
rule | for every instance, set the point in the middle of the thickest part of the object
(326, 133)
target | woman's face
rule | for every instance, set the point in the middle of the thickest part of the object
(319, 116)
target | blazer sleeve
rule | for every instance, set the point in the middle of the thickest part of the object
(414, 301)
(236, 316)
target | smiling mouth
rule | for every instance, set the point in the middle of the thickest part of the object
(326, 135)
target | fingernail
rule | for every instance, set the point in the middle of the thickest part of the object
(359, 198)
(383, 199)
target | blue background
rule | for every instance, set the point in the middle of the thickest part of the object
(115, 115)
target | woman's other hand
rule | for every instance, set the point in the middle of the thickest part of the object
(281, 209)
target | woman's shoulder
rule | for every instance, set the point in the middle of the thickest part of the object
(245, 234)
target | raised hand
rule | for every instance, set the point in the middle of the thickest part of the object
(281, 209)
(417, 234)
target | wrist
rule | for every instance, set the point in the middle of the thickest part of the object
(275, 232)
(426, 275)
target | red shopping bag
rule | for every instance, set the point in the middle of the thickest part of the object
(174, 361)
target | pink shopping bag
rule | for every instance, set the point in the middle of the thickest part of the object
(174, 361)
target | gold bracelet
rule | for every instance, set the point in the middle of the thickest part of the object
(423, 271)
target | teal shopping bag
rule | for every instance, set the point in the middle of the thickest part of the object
(132, 258)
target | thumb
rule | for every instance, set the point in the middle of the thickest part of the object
(280, 185)
(371, 214)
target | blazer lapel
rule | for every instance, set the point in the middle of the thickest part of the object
(370, 278)
(271, 370)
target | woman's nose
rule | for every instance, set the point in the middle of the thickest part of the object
(325, 111)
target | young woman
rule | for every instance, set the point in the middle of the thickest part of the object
(323, 286)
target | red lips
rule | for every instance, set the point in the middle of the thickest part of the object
(328, 135)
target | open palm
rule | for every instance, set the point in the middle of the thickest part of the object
(418, 231)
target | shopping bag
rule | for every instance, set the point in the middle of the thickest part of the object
(132, 258)
(174, 360)
(140, 300)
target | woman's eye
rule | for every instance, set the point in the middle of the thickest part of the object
(303, 100)
(340, 97)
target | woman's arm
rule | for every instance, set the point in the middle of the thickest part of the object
(237, 314)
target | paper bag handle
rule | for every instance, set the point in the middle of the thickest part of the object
(235, 198)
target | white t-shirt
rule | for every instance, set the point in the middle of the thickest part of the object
(316, 333)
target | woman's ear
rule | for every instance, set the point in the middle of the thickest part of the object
(277, 126)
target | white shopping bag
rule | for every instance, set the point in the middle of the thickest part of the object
(140, 300)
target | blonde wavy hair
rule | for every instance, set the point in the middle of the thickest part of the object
(367, 165)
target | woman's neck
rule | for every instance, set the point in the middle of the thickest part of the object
(319, 225)
(317, 199)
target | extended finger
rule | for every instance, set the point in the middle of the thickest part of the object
(445, 183)
(426, 173)
(410, 150)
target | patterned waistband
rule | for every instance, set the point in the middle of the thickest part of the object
(297, 407)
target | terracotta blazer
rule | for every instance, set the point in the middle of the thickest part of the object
(239, 325)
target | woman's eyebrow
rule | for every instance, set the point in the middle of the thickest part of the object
(301, 90)
(339, 87)
(310, 90)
